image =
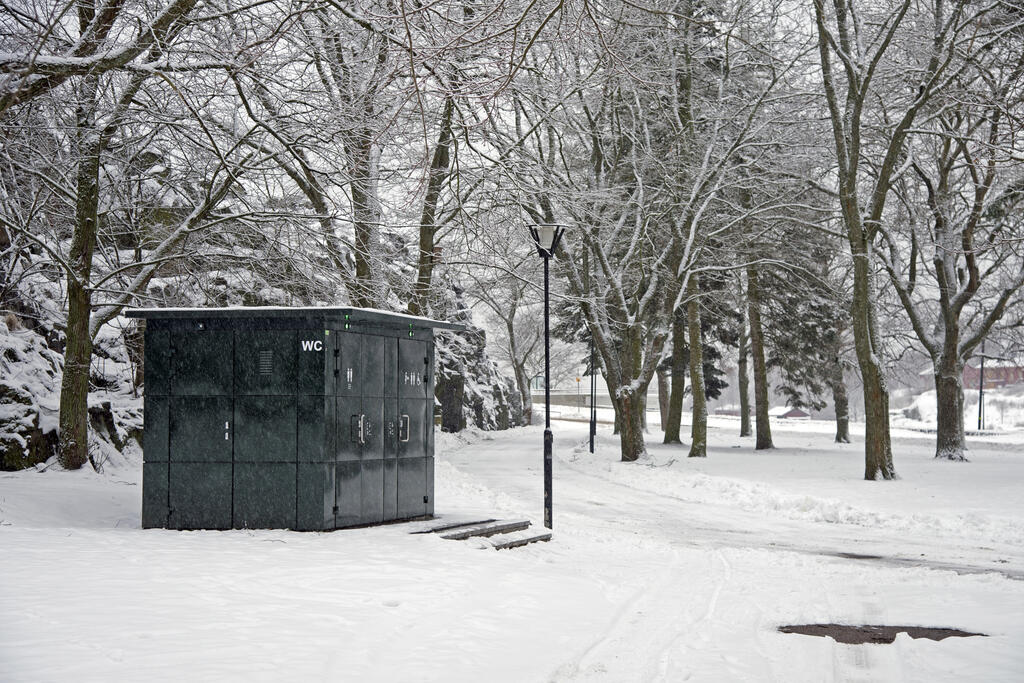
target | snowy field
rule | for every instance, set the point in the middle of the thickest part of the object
(664, 570)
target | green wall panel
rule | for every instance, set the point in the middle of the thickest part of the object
(156, 428)
(314, 412)
(157, 362)
(202, 362)
(200, 429)
(264, 496)
(154, 495)
(265, 429)
(265, 362)
(315, 357)
(200, 496)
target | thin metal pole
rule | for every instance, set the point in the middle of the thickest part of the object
(981, 387)
(548, 437)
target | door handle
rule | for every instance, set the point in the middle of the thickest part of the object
(355, 428)
(405, 429)
(362, 429)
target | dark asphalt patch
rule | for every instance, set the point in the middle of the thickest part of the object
(858, 635)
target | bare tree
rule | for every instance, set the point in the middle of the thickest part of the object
(965, 265)
(869, 55)
(666, 118)
(107, 142)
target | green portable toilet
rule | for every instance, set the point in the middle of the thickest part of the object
(290, 418)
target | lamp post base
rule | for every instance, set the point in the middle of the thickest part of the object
(548, 443)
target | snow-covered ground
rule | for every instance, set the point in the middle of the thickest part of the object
(669, 569)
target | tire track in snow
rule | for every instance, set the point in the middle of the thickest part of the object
(655, 629)
(866, 663)
(664, 661)
(589, 664)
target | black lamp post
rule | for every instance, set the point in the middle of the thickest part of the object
(546, 237)
(593, 396)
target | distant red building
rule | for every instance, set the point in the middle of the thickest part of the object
(997, 374)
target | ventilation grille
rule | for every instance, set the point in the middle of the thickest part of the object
(266, 362)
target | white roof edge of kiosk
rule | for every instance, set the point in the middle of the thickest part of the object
(364, 315)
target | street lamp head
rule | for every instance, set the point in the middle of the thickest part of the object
(546, 236)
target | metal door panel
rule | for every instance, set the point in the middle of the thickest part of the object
(350, 432)
(412, 368)
(390, 366)
(390, 489)
(314, 496)
(264, 496)
(200, 429)
(202, 362)
(348, 492)
(265, 429)
(372, 477)
(412, 483)
(350, 372)
(430, 426)
(429, 350)
(412, 427)
(200, 495)
(429, 492)
(373, 429)
(373, 366)
(391, 425)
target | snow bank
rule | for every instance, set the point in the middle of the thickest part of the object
(1004, 409)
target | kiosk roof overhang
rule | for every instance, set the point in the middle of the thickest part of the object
(328, 313)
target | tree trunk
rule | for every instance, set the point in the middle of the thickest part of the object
(699, 424)
(369, 290)
(678, 383)
(877, 443)
(628, 395)
(837, 383)
(841, 401)
(631, 429)
(764, 429)
(744, 379)
(663, 397)
(523, 384)
(438, 174)
(74, 388)
(949, 395)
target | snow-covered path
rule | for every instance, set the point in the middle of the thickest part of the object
(659, 571)
(681, 507)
